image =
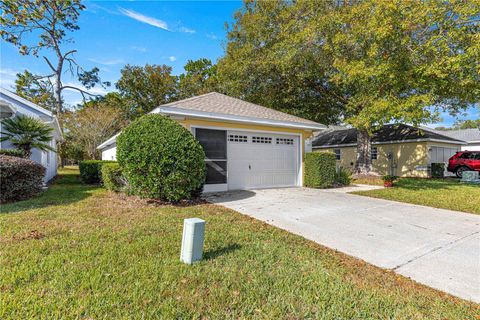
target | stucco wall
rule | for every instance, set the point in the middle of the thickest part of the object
(408, 159)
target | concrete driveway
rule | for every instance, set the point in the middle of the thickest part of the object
(439, 248)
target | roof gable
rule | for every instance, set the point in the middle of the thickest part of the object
(22, 103)
(217, 103)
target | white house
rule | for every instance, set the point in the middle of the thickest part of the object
(12, 105)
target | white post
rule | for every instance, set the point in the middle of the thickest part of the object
(192, 240)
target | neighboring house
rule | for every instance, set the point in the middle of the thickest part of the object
(12, 105)
(400, 150)
(247, 146)
(470, 136)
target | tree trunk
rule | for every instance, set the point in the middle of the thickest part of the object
(59, 103)
(363, 165)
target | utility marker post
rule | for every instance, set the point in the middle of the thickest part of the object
(192, 240)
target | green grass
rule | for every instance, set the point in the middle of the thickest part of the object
(80, 252)
(438, 193)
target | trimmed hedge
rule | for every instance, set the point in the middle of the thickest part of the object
(20, 178)
(112, 177)
(437, 170)
(161, 159)
(320, 168)
(12, 152)
(90, 170)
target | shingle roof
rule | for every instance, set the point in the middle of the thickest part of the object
(468, 135)
(215, 102)
(388, 133)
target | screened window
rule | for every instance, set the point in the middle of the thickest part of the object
(374, 153)
(337, 154)
(214, 143)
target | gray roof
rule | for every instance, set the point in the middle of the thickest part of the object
(387, 133)
(218, 103)
(467, 135)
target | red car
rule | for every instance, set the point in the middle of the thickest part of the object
(464, 161)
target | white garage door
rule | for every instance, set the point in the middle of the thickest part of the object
(260, 160)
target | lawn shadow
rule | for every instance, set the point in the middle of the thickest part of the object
(212, 254)
(64, 190)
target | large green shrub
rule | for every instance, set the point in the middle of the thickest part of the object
(437, 170)
(12, 153)
(90, 170)
(319, 169)
(161, 159)
(112, 177)
(20, 178)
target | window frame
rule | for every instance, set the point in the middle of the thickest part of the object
(339, 155)
(374, 155)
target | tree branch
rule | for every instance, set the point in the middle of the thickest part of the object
(81, 91)
(50, 64)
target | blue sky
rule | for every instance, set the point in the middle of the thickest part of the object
(114, 33)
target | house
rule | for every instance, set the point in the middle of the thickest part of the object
(398, 149)
(470, 136)
(12, 105)
(247, 146)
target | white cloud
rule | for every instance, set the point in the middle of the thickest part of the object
(139, 49)
(172, 58)
(211, 36)
(110, 62)
(187, 30)
(145, 19)
(7, 77)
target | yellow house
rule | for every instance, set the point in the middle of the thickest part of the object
(247, 146)
(400, 150)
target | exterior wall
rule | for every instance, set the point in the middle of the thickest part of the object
(110, 153)
(471, 147)
(305, 134)
(46, 159)
(408, 159)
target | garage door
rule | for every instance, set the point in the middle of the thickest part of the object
(259, 160)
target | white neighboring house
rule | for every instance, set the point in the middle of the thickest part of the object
(12, 105)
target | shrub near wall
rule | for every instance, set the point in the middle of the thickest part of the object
(90, 170)
(319, 169)
(112, 177)
(161, 159)
(20, 178)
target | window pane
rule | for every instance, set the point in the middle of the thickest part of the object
(337, 154)
(216, 172)
(214, 142)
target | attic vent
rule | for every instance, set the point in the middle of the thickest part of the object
(261, 139)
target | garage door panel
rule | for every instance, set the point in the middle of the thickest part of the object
(262, 164)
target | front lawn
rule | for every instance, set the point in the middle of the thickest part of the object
(438, 193)
(80, 252)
